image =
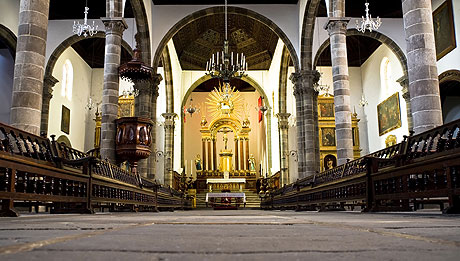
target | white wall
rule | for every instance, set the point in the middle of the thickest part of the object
(285, 17)
(80, 94)
(6, 86)
(60, 30)
(9, 14)
(393, 28)
(375, 94)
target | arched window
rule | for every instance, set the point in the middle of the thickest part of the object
(385, 74)
(67, 79)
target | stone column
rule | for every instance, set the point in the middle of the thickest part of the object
(404, 82)
(421, 63)
(283, 125)
(304, 93)
(29, 67)
(169, 147)
(152, 162)
(337, 28)
(114, 28)
(143, 107)
(48, 84)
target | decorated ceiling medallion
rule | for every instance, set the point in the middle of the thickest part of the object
(135, 70)
(224, 101)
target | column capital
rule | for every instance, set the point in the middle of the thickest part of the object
(304, 82)
(48, 83)
(114, 25)
(283, 120)
(169, 120)
(404, 82)
(337, 25)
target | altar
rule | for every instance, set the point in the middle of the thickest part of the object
(231, 184)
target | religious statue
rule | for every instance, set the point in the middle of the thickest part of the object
(198, 162)
(225, 140)
(252, 163)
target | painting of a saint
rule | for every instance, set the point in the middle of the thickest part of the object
(65, 120)
(444, 33)
(326, 110)
(389, 114)
(328, 136)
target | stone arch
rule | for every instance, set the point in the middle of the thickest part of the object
(9, 39)
(306, 39)
(168, 80)
(49, 81)
(69, 42)
(450, 75)
(219, 10)
(374, 35)
(142, 26)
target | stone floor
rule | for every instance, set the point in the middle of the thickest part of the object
(232, 235)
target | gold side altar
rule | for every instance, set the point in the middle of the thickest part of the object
(327, 140)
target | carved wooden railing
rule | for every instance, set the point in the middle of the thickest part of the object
(35, 171)
(422, 168)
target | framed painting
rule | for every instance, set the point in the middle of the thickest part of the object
(328, 136)
(389, 114)
(444, 31)
(326, 109)
(65, 120)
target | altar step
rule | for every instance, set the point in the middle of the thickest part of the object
(252, 199)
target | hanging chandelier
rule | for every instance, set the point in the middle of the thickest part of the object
(191, 109)
(84, 28)
(368, 23)
(224, 65)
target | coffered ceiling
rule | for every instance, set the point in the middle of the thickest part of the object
(196, 42)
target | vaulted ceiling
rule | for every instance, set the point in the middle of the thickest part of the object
(359, 49)
(196, 43)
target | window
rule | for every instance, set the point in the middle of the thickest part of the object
(385, 74)
(67, 80)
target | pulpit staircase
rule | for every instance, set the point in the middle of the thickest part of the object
(252, 199)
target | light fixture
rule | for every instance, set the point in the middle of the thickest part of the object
(262, 108)
(224, 65)
(368, 23)
(90, 105)
(363, 102)
(191, 109)
(84, 28)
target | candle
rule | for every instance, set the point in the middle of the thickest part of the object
(217, 57)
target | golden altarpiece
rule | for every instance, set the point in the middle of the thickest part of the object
(223, 169)
(327, 140)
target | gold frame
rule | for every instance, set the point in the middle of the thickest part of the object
(65, 120)
(126, 102)
(326, 99)
(444, 11)
(398, 122)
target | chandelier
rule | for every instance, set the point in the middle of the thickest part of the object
(222, 65)
(368, 23)
(84, 28)
(191, 109)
